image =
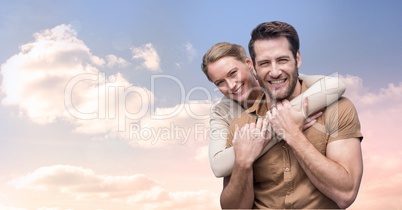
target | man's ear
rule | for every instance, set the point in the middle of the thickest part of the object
(298, 59)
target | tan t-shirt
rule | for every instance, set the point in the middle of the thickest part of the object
(279, 180)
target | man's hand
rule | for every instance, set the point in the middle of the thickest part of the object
(249, 141)
(287, 121)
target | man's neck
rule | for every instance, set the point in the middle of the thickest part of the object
(251, 98)
(296, 91)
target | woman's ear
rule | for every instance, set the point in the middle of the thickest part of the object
(249, 64)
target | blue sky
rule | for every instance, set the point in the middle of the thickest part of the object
(361, 40)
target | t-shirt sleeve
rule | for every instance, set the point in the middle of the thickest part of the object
(343, 121)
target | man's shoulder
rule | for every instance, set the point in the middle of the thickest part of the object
(342, 103)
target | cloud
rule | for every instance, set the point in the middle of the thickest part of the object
(380, 116)
(187, 55)
(148, 54)
(182, 124)
(2, 207)
(360, 95)
(42, 69)
(56, 77)
(76, 186)
(114, 61)
(191, 52)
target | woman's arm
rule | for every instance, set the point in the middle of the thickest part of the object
(222, 114)
(320, 94)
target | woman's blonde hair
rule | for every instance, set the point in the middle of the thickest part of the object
(220, 50)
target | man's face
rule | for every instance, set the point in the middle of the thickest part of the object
(277, 69)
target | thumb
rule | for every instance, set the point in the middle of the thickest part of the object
(236, 133)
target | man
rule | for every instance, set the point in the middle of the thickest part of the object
(320, 167)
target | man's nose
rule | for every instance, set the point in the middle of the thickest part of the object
(275, 71)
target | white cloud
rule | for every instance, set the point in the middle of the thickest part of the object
(148, 54)
(114, 61)
(2, 207)
(56, 77)
(182, 124)
(359, 94)
(187, 55)
(41, 70)
(191, 52)
(77, 186)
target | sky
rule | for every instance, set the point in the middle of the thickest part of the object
(103, 104)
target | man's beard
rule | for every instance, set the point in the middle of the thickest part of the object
(292, 85)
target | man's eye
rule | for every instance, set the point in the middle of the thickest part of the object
(283, 61)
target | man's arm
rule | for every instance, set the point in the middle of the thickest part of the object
(238, 189)
(248, 142)
(338, 174)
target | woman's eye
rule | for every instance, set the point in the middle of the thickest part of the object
(219, 83)
(233, 73)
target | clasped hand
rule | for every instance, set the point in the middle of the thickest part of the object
(287, 120)
(282, 119)
(249, 140)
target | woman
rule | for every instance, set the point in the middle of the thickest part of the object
(229, 68)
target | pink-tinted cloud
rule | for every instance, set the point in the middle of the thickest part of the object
(380, 114)
(148, 55)
(80, 188)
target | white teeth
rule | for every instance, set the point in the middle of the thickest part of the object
(277, 82)
(237, 90)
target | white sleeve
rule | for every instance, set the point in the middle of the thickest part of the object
(322, 92)
(222, 114)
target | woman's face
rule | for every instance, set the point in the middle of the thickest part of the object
(233, 77)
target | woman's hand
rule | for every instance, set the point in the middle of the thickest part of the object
(250, 140)
(311, 120)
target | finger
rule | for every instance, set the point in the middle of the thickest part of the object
(259, 123)
(274, 110)
(236, 133)
(264, 124)
(286, 104)
(279, 105)
(315, 116)
(252, 125)
(270, 131)
(305, 107)
(309, 124)
(269, 116)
